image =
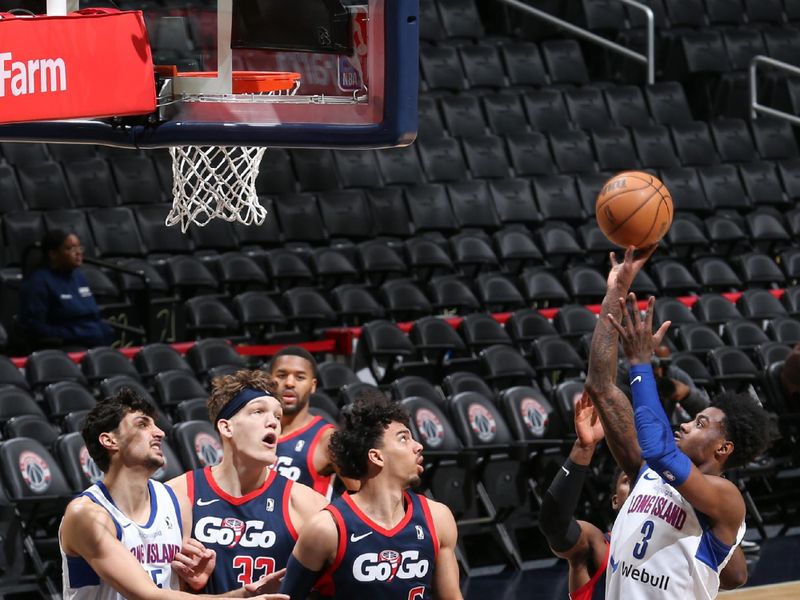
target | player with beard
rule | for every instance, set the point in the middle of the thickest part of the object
(242, 509)
(122, 537)
(303, 446)
(383, 541)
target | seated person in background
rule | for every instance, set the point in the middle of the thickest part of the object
(790, 377)
(56, 304)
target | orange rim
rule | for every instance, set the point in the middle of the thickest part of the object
(244, 82)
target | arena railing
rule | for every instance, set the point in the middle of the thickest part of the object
(648, 59)
(756, 107)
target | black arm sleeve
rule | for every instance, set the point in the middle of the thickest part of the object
(556, 519)
(299, 580)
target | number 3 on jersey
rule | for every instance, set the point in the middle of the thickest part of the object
(640, 549)
(248, 566)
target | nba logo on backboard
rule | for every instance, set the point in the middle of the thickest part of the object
(352, 70)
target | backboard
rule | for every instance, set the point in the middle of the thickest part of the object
(357, 62)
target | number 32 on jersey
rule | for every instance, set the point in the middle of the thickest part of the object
(250, 566)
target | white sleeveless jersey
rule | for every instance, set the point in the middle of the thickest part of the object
(154, 545)
(661, 547)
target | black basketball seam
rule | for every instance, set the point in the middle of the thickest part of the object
(638, 208)
(606, 200)
(670, 207)
(619, 193)
(653, 224)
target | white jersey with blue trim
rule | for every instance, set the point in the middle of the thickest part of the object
(153, 544)
(661, 547)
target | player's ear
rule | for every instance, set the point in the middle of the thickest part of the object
(313, 384)
(107, 440)
(375, 456)
(224, 428)
(615, 502)
(724, 450)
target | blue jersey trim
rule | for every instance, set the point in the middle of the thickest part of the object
(80, 574)
(177, 507)
(93, 499)
(153, 501)
(711, 550)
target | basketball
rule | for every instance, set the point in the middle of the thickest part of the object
(634, 209)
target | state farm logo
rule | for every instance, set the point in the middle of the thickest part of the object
(534, 416)
(388, 564)
(34, 471)
(482, 422)
(430, 427)
(89, 467)
(34, 76)
(231, 532)
(207, 449)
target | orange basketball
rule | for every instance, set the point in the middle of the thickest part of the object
(634, 209)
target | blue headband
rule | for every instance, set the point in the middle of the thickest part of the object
(238, 402)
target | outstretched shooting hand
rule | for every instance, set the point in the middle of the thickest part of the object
(622, 274)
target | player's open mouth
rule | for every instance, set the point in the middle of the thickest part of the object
(270, 438)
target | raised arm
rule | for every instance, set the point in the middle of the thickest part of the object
(714, 496)
(581, 543)
(610, 403)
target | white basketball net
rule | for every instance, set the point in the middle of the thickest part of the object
(215, 182)
(218, 182)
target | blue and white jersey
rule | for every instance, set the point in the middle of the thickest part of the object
(661, 547)
(253, 535)
(154, 544)
(373, 562)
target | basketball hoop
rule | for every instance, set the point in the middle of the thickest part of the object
(219, 182)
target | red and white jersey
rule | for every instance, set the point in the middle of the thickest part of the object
(661, 547)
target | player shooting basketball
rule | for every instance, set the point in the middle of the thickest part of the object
(682, 521)
(582, 544)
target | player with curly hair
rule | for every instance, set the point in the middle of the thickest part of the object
(383, 541)
(243, 511)
(682, 520)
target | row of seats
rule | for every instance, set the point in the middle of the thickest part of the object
(353, 215)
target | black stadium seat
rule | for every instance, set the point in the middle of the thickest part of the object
(523, 63)
(504, 113)
(115, 232)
